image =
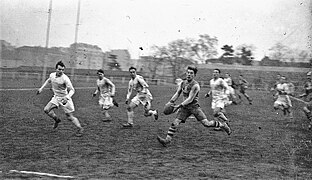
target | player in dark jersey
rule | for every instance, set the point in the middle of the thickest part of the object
(189, 88)
(308, 98)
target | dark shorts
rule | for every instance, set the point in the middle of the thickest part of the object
(242, 89)
(185, 112)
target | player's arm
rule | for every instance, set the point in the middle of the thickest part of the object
(44, 85)
(143, 83)
(97, 90)
(195, 89)
(129, 92)
(70, 87)
(112, 85)
(177, 94)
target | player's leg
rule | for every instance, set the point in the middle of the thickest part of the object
(49, 110)
(148, 111)
(69, 109)
(182, 115)
(115, 102)
(201, 117)
(243, 91)
(130, 111)
(308, 112)
(219, 112)
(106, 104)
(76, 122)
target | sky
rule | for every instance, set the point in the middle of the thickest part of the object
(131, 24)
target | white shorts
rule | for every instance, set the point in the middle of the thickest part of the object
(218, 103)
(283, 100)
(230, 91)
(106, 101)
(67, 108)
(142, 98)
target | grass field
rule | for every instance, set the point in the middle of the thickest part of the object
(263, 145)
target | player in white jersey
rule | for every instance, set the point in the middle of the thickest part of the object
(106, 89)
(219, 97)
(283, 101)
(230, 92)
(63, 91)
(143, 96)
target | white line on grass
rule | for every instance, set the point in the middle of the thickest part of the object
(32, 89)
(41, 174)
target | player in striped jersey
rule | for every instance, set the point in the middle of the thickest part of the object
(189, 88)
(307, 109)
(106, 89)
(143, 96)
(63, 91)
(242, 86)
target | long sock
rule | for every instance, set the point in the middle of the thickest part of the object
(53, 115)
(130, 116)
(222, 116)
(212, 123)
(172, 130)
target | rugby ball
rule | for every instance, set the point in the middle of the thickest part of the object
(169, 108)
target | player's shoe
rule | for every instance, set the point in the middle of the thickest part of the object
(156, 115)
(127, 125)
(56, 122)
(79, 133)
(226, 128)
(163, 141)
(107, 119)
(310, 127)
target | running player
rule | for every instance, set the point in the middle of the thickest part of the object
(307, 109)
(143, 96)
(242, 86)
(189, 88)
(106, 89)
(63, 91)
(283, 101)
(230, 92)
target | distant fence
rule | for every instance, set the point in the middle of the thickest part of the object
(90, 79)
(76, 78)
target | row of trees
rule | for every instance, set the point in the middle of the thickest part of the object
(181, 52)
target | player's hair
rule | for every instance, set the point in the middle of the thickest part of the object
(100, 71)
(218, 70)
(60, 63)
(193, 68)
(132, 68)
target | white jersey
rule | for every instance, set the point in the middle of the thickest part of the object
(60, 85)
(218, 88)
(228, 81)
(104, 85)
(139, 85)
